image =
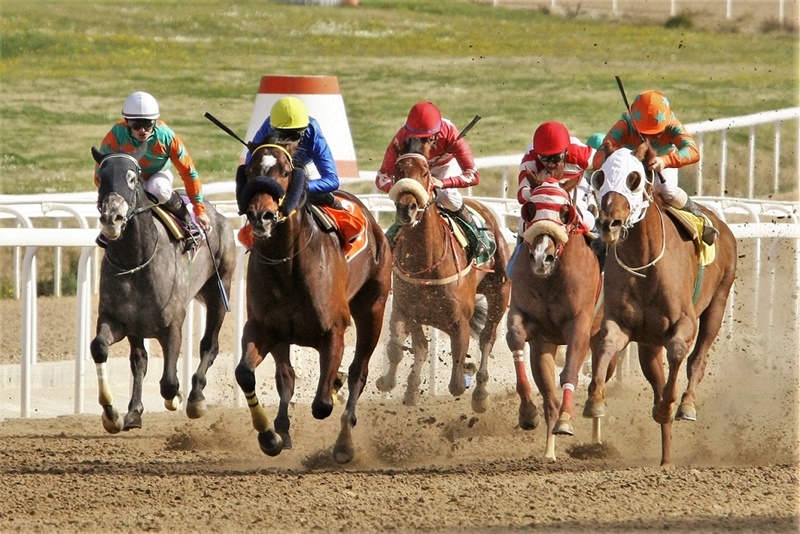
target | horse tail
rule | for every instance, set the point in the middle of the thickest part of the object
(478, 321)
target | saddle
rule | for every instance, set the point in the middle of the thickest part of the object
(469, 235)
(694, 226)
(349, 223)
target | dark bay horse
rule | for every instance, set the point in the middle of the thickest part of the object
(435, 283)
(303, 290)
(146, 282)
(555, 300)
(657, 292)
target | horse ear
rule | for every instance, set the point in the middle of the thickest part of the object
(528, 211)
(97, 155)
(607, 147)
(598, 178)
(138, 154)
(634, 181)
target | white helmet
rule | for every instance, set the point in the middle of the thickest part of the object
(140, 105)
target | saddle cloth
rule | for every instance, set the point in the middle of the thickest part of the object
(694, 227)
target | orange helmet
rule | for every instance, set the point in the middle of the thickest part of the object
(550, 138)
(424, 120)
(650, 112)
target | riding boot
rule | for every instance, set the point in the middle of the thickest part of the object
(709, 232)
(481, 246)
(176, 206)
(326, 199)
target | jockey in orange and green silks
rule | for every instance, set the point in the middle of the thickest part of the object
(141, 124)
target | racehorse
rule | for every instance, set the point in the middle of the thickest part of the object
(555, 300)
(303, 290)
(146, 282)
(435, 283)
(660, 291)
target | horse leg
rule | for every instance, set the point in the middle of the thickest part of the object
(543, 368)
(107, 334)
(459, 343)
(419, 347)
(515, 339)
(577, 335)
(677, 351)
(285, 384)
(254, 347)
(394, 353)
(170, 341)
(651, 360)
(710, 322)
(368, 321)
(487, 339)
(609, 341)
(138, 361)
(209, 348)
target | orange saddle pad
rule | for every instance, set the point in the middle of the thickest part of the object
(351, 224)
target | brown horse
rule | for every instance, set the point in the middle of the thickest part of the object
(303, 290)
(435, 283)
(657, 293)
(555, 300)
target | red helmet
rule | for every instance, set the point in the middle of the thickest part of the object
(550, 138)
(424, 119)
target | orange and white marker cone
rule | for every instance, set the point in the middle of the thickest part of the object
(323, 98)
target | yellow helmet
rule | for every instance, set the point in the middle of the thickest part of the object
(288, 113)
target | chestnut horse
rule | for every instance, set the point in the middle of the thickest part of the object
(301, 289)
(657, 292)
(555, 300)
(435, 283)
(146, 282)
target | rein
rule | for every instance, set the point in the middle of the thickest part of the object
(634, 270)
(123, 271)
(271, 261)
(411, 277)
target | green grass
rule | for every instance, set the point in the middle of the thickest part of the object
(66, 66)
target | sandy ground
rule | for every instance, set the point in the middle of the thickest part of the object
(436, 466)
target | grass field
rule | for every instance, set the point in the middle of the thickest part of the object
(67, 65)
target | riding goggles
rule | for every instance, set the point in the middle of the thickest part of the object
(141, 124)
(553, 158)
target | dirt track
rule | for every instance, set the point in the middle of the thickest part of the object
(435, 467)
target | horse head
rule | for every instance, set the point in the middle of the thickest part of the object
(550, 215)
(412, 191)
(624, 191)
(120, 192)
(273, 187)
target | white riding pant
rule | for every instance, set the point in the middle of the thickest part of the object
(450, 198)
(160, 185)
(669, 190)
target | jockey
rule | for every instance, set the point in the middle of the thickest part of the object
(141, 124)
(289, 121)
(450, 159)
(554, 153)
(651, 119)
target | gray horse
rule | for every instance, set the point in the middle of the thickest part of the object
(146, 283)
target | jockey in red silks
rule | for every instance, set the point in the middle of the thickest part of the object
(554, 153)
(450, 160)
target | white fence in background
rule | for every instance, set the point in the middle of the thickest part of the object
(779, 8)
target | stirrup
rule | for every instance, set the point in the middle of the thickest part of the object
(709, 234)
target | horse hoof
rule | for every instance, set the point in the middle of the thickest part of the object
(480, 401)
(686, 412)
(563, 426)
(270, 443)
(132, 420)
(196, 410)
(594, 409)
(385, 384)
(112, 422)
(173, 403)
